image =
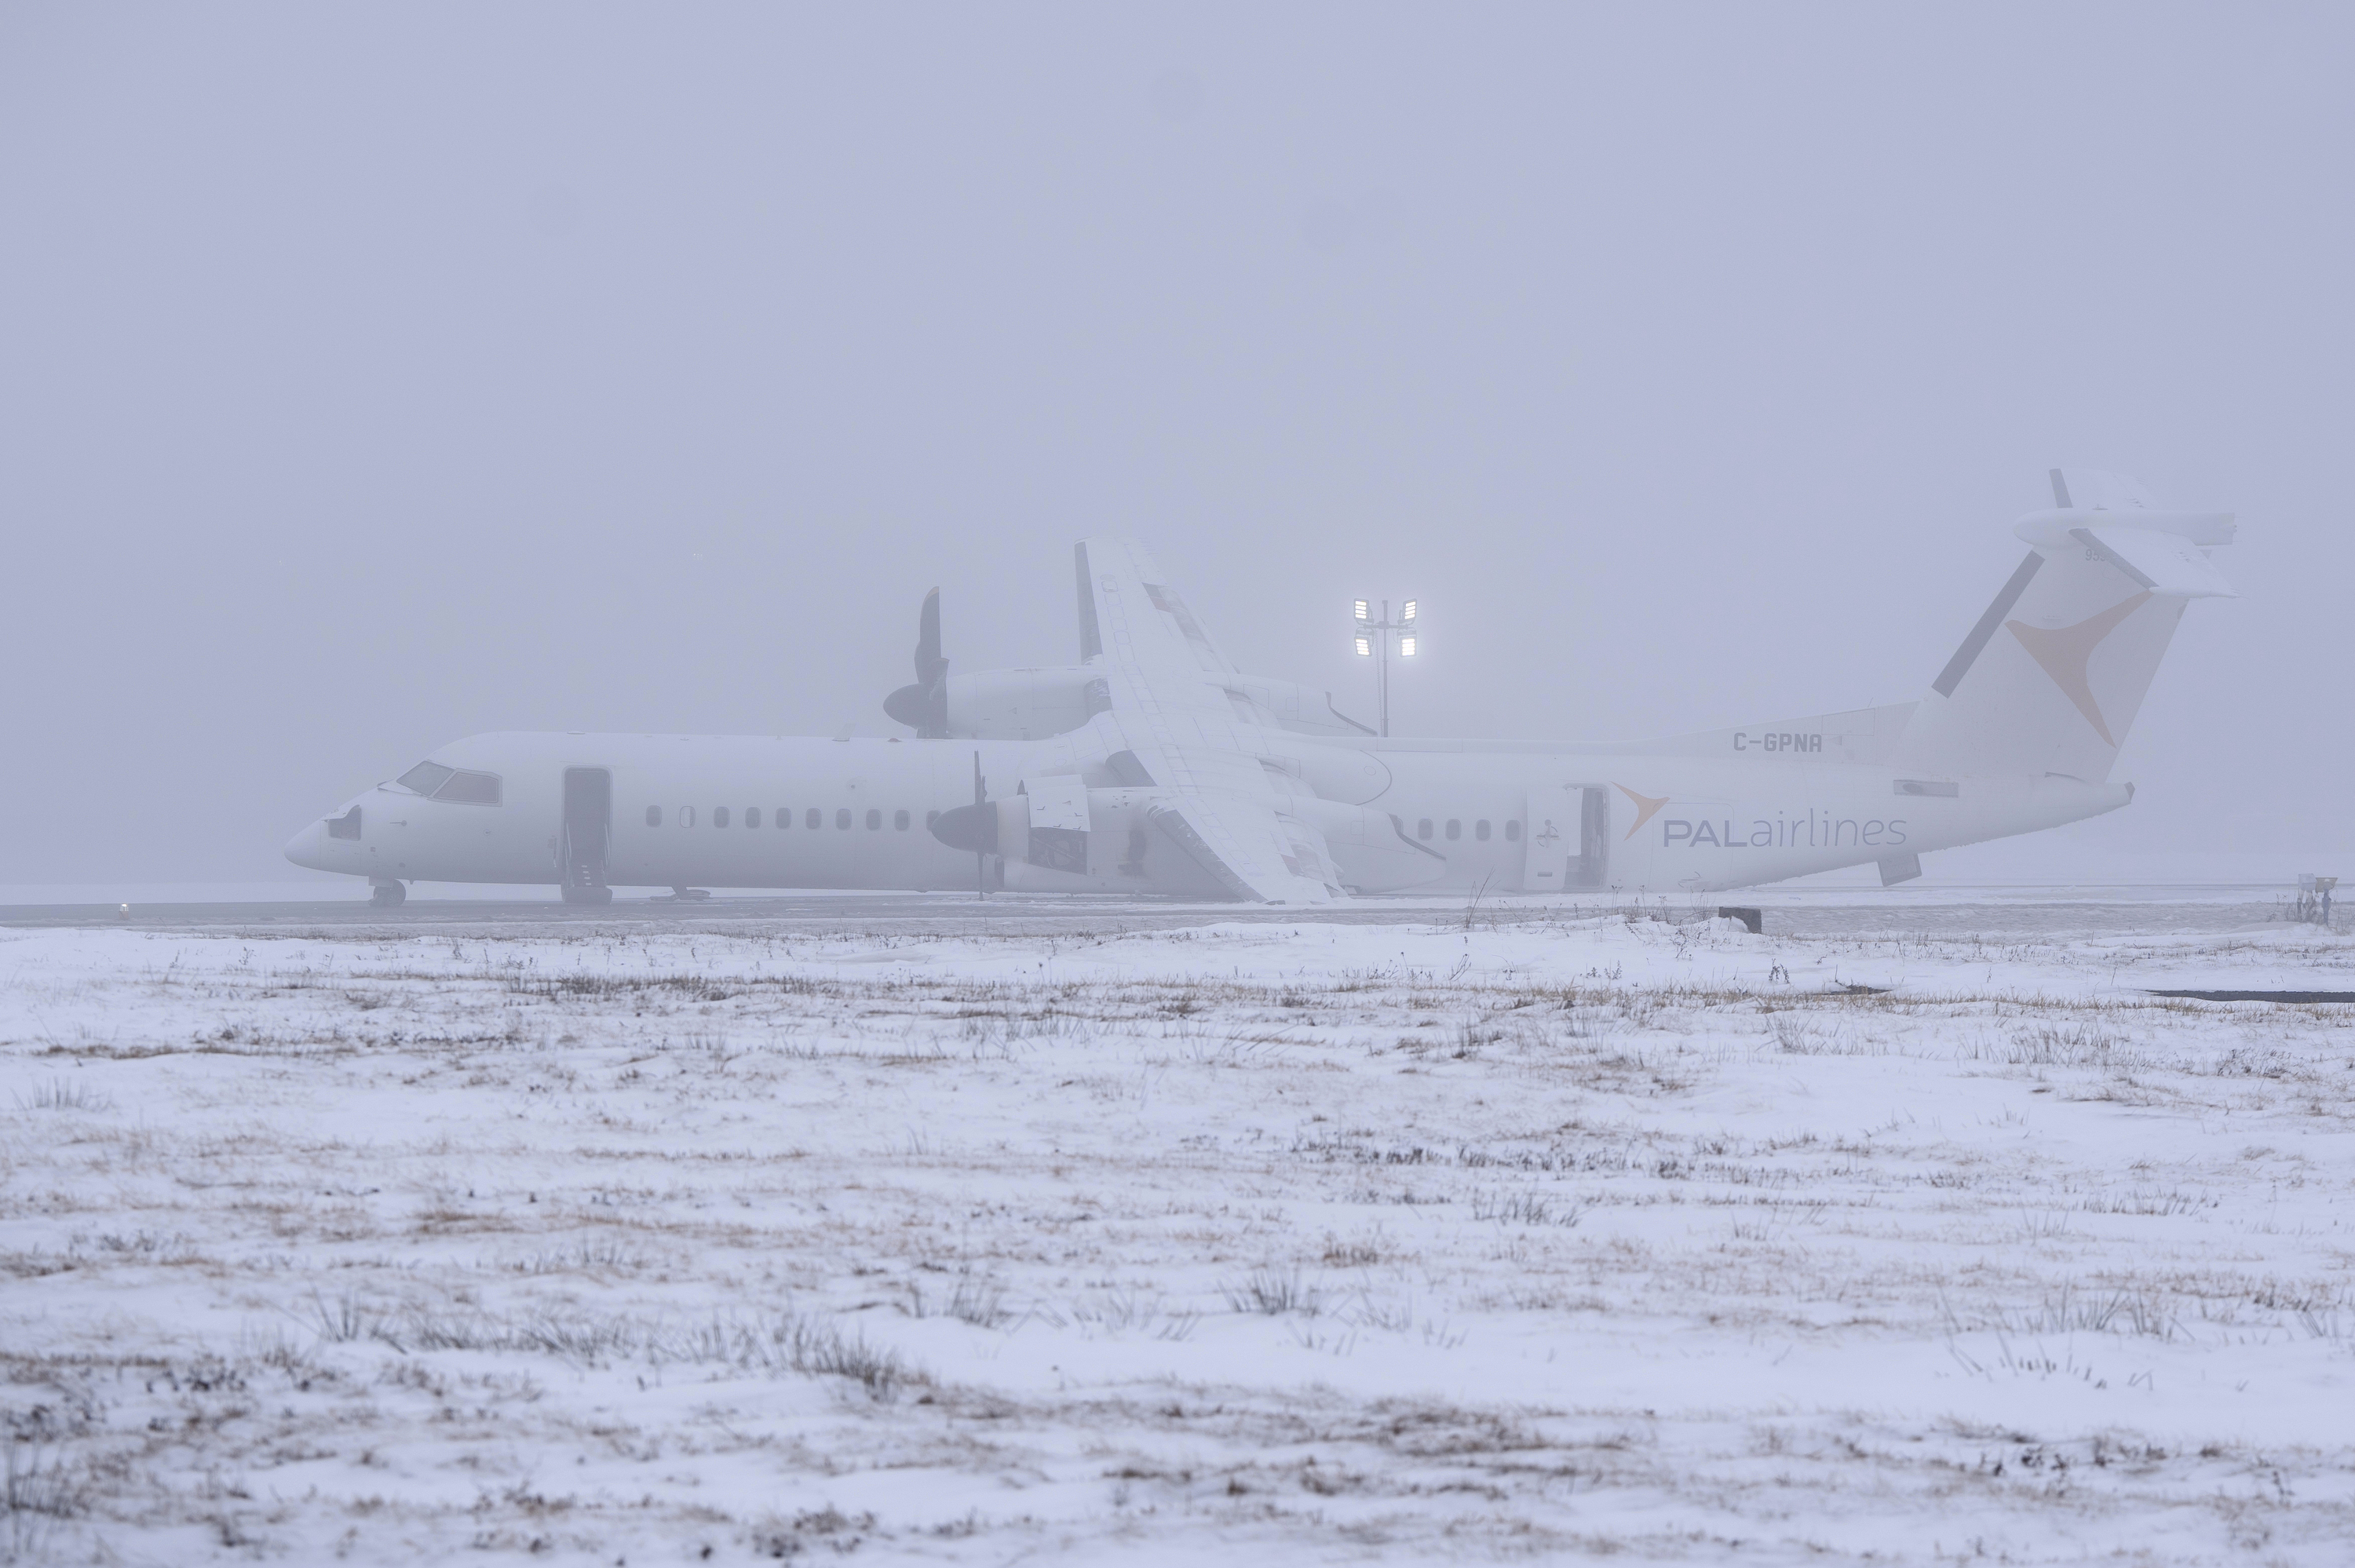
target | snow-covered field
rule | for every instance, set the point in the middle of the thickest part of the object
(1242, 1243)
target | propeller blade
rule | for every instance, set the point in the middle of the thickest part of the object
(980, 804)
(929, 661)
(924, 706)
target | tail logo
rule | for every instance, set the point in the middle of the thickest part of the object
(1646, 807)
(2065, 653)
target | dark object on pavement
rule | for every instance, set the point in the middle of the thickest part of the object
(2287, 996)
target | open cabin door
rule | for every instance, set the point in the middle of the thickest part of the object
(586, 836)
(1567, 847)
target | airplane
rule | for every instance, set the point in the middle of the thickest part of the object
(1154, 767)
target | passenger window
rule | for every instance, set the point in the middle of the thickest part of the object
(1455, 828)
(842, 818)
(654, 816)
(719, 816)
(687, 816)
(751, 816)
(1513, 832)
(1480, 830)
(900, 820)
(816, 818)
(785, 816)
(1422, 829)
(874, 820)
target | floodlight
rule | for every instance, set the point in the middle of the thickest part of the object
(1374, 641)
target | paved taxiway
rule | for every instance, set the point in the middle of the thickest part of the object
(1991, 912)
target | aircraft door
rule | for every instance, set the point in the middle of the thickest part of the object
(1567, 845)
(586, 835)
(1550, 837)
(1591, 867)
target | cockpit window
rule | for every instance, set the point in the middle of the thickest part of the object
(437, 782)
(425, 778)
(470, 789)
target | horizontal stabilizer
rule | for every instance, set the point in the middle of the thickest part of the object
(2163, 563)
(2056, 528)
(2162, 552)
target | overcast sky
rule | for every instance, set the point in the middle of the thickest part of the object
(373, 376)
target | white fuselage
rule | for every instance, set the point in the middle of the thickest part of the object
(760, 811)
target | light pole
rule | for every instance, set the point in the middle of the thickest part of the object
(1374, 642)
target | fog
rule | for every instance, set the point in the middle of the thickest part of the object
(370, 379)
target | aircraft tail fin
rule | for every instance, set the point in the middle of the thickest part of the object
(2052, 676)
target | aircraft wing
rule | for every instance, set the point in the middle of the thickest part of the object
(1181, 713)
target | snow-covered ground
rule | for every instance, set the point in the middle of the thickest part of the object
(1241, 1243)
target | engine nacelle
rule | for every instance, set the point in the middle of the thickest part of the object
(1060, 836)
(1035, 703)
(1022, 704)
(1119, 850)
(1038, 703)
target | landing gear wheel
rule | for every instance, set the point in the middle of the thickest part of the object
(387, 895)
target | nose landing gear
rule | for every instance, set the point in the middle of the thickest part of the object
(387, 895)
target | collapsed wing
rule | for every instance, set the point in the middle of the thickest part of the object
(1192, 730)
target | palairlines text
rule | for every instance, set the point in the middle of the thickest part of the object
(1815, 830)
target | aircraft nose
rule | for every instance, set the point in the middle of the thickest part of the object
(332, 843)
(309, 847)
